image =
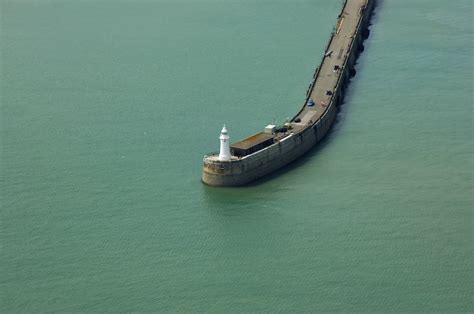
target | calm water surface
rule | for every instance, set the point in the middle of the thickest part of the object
(107, 108)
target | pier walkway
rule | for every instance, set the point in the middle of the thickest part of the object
(335, 56)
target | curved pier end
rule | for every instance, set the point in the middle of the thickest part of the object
(267, 151)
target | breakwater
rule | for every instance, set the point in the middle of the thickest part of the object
(265, 152)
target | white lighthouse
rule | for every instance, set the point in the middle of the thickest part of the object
(224, 153)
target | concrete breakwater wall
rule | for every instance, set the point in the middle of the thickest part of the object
(240, 171)
(267, 160)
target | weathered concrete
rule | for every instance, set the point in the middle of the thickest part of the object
(313, 122)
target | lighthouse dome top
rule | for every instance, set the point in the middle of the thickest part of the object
(224, 130)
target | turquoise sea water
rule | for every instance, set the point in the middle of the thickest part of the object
(107, 108)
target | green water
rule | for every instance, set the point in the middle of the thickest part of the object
(107, 108)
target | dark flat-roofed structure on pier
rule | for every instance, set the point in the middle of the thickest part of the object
(251, 144)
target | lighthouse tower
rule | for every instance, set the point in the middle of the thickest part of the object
(224, 154)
